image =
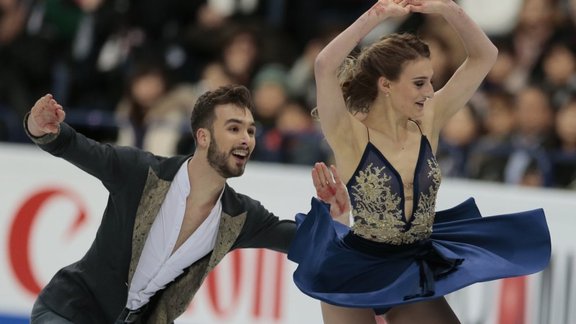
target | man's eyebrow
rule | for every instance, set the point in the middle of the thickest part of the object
(238, 121)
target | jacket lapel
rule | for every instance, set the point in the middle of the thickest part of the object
(153, 195)
(228, 231)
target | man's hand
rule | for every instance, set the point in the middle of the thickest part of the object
(45, 117)
(331, 190)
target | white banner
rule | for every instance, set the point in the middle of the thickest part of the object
(51, 210)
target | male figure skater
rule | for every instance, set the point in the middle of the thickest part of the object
(168, 221)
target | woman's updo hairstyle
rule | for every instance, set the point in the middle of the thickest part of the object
(386, 57)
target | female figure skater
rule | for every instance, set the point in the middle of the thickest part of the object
(400, 257)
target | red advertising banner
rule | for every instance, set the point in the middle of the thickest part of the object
(51, 211)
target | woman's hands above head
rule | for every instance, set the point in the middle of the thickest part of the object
(45, 117)
(398, 8)
(390, 8)
(331, 190)
(428, 6)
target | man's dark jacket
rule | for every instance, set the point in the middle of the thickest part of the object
(95, 289)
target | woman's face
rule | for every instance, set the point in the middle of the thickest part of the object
(409, 93)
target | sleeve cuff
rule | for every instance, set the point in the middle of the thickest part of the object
(45, 139)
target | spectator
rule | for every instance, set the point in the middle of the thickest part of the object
(240, 53)
(532, 137)
(77, 31)
(302, 141)
(213, 77)
(506, 74)
(559, 73)
(564, 157)
(512, 157)
(152, 113)
(488, 160)
(24, 65)
(300, 79)
(457, 140)
(441, 60)
(270, 94)
(534, 30)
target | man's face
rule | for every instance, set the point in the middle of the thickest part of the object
(231, 140)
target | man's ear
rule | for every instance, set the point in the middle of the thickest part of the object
(384, 85)
(203, 137)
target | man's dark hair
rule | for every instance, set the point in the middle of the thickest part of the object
(203, 112)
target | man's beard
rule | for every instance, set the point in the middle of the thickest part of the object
(218, 160)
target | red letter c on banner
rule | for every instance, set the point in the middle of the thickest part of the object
(20, 234)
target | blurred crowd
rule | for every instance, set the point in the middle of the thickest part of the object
(129, 72)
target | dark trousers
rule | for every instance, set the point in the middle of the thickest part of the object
(41, 314)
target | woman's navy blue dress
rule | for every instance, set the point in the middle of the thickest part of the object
(386, 259)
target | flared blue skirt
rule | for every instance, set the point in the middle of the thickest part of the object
(343, 269)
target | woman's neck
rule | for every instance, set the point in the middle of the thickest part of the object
(386, 120)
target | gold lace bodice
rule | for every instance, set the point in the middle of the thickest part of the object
(377, 195)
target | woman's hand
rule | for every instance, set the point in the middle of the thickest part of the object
(428, 6)
(331, 190)
(390, 8)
